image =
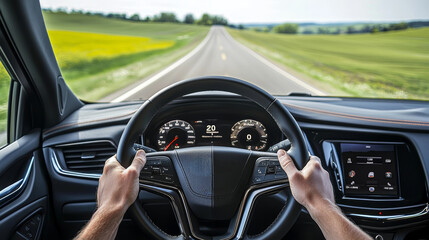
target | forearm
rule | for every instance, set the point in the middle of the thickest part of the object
(104, 225)
(334, 224)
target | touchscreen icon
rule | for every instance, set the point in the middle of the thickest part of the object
(371, 174)
(371, 189)
(352, 173)
(388, 174)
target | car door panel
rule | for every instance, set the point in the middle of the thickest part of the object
(24, 202)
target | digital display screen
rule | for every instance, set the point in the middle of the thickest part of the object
(212, 132)
(369, 169)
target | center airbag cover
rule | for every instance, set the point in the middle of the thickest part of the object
(213, 179)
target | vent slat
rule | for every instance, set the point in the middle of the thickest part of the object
(88, 167)
(93, 149)
(87, 157)
(90, 161)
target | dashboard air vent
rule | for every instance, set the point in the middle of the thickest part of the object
(87, 157)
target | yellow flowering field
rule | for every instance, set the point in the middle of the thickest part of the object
(74, 48)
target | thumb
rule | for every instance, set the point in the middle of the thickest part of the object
(286, 162)
(139, 160)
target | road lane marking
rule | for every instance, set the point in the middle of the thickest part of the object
(223, 55)
(276, 68)
(165, 71)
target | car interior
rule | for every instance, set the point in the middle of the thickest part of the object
(211, 142)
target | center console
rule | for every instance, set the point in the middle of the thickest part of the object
(376, 181)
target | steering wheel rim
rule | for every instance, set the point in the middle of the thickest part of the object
(285, 121)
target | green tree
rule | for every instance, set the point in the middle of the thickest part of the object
(189, 19)
(398, 26)
(351, 30)
(286, 28)
(208, 20)
(165, 17)
(135, 17)
(205, 20)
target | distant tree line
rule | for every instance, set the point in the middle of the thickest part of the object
(163, 17)
(368, 28)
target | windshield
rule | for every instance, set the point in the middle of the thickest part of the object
(128, 50)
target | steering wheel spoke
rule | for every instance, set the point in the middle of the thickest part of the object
(176, 200)
(252, 195)
(159, 170)
(267, 170)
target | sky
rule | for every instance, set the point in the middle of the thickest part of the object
(263, 11)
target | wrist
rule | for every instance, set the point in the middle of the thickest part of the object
(111, 212)
(319, 207)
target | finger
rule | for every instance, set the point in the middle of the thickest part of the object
(110, 163)
(286, 162)
(315, 158)
(139, 160)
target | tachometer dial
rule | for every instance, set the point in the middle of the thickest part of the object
(250, 134)
(175, 134)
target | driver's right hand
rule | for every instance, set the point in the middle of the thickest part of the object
(311, 185)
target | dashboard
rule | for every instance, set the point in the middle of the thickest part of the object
(377, 167)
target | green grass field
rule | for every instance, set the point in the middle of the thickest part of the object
(387, 65)
(98, 56)
(4, 93)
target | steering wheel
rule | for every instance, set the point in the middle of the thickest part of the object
(212, 183)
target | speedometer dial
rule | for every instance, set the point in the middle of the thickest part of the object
(175, 134)
(250, 134)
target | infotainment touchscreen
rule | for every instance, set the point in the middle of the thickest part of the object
(369, 170)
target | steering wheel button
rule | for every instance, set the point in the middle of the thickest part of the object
(165, 170)
(167, 179)
(258, 179)
(147, 169)
(156, 171)
(271, 169)
(263, 163)
(274, 163)
(279, 171)
(260, 171)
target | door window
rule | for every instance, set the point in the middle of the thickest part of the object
(4, 96)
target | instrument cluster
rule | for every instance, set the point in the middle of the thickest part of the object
(245, 133)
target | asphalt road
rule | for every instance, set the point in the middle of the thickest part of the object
(219, 54)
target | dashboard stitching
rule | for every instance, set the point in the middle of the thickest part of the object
(381, 120)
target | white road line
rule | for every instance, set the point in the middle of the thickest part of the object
(223, 56)
(277, 69)
(165, 71)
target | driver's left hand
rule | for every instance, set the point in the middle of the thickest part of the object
(118, 187)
